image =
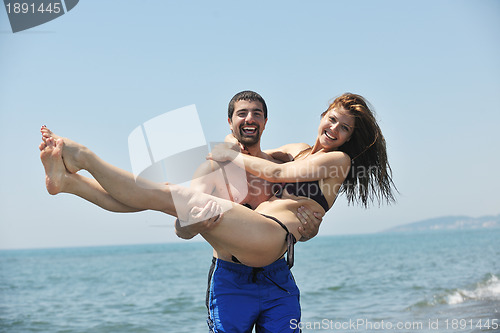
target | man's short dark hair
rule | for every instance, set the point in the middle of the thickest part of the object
(247, 95)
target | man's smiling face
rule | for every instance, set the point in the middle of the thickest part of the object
(248, 122)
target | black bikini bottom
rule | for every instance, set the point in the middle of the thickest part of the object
(290, 242)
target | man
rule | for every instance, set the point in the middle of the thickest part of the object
(239, 297)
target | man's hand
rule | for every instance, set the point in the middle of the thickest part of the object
(209, 217)
(310, 223)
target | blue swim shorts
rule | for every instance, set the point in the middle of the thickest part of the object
(239, 297)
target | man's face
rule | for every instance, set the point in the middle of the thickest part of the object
(247, 122)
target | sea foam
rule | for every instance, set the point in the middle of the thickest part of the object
(489, 289)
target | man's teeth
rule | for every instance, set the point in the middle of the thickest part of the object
(249, 129)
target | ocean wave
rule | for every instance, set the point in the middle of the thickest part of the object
(488, 289)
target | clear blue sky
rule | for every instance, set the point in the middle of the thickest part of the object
(430, 68)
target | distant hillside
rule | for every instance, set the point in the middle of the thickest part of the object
(450, 223)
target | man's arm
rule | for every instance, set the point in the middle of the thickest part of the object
(204, 181)
(310, 220)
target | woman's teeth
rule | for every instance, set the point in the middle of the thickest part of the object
(329, 136)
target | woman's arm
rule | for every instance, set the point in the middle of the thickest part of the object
(287, 152)
(317, 166)
(231, 139)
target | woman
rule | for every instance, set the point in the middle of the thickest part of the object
(349, 155)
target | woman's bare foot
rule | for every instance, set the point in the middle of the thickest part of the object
(46, 133)
(55, 171)
(71, 150)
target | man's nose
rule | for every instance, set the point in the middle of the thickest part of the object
(250, 118)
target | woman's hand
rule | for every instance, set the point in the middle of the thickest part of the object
(224, 152)
(231, 139)
(310, 223)
(242, 149)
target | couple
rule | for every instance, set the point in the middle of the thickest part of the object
(348, 156)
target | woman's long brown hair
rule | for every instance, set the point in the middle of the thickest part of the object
(370, 176)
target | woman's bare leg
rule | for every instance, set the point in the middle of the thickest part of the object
(252, 238)
(120, 184)
(59, 180)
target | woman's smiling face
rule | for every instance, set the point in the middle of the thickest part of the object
(335, 128)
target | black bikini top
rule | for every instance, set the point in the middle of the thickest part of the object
(310, 190)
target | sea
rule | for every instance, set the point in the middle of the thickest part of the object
(436, 281)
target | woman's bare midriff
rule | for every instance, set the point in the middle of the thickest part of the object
(284, 209)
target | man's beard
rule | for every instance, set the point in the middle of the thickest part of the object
(248, 140)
